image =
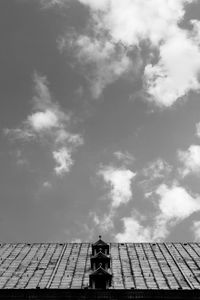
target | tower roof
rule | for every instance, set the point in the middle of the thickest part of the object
(100, 242)
(100, 271)
(100, 255)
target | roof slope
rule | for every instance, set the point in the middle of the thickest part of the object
(67, 265)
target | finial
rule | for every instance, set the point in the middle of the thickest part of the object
(100, 237)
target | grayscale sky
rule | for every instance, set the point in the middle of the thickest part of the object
(100, 120)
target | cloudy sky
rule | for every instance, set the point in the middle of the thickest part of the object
(100, 120)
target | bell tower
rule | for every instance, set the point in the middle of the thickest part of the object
(100, 278)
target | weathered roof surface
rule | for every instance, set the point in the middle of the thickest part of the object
(67, 265)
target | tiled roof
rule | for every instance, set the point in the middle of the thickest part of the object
(67, 265)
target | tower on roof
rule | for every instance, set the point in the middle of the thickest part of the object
(100, 278)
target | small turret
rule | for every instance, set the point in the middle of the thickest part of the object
(100, 278)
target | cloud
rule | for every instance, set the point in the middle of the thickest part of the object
(105, 61)
(171, 203)
(97, 4)
(48, 122)
(190, 160)
(177, 71)
(119, 181)
(151, 176)
(174, 204)
(43, 120)
(63, 160)
(133, 232)
(116, 28)
(105, 222)
(132, 21)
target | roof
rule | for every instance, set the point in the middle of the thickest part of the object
(140, 266)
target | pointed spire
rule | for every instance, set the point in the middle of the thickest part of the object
(100, 245)
(100, 241)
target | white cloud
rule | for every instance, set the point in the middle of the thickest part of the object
(190, 160)
(130, 22)
(63, 160)
(43, 120)
(196, 230)
(176, 72)
(119, 181)
(48, 122)
(106, 61)
(133, 232)
(121, 26)
(174, 204)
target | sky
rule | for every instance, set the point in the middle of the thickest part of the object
(100, 120)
